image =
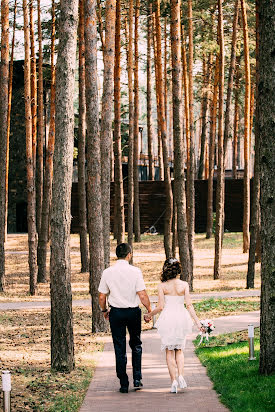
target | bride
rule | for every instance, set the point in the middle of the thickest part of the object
(174, 322)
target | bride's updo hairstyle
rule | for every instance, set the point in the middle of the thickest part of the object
(170, 270)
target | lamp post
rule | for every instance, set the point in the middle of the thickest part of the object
(251, 342)
(6, 388)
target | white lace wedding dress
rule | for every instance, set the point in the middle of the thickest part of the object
(174, 323)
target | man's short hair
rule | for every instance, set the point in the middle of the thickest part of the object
(122, 250)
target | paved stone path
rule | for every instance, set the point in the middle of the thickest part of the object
(87, 302)
(103, 392)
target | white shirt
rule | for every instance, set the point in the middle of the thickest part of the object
(121, 283)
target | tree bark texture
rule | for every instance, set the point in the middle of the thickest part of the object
(191, 162)
(205, 99)
(40, 121)
(82, 203)
(119, 192)
(136, 128)
(167, 177)
(179, 182)
(254, 219)
(130, 202)
(220, 174)
(231, 76)
(48, 176)
(95, 225)
(4, 85)
(32, 234)
(212, 142)
(106, 135)
(149, 91)
(186, 91)
(9, 112)
(267, 171)
(246, 179)
(33, 89)
(62, 340)
(236, 120)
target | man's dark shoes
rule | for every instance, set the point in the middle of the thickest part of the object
(123, 389)
(137, 384)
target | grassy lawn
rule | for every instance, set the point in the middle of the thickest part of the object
(213, 308)
(236, 379)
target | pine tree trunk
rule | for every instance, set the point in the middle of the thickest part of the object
(106, 136)
(33, 90)
(149, 92)
(220, 174)
(231, 76)
(186, 92)
(4, 85)
(254, 220)
(160, 156)
(246, 194)
(267, 171)
(119, 192)
(32, 235)
(40, 131)
(62, 339)
(191, 162)
(136, 129)
(212, 141)
(93, 165)
(236, 121)
(48, 176)
(205, 100)
(9, 113)
(179, 182)
(130, 223)
(167, 178)
(82, 204)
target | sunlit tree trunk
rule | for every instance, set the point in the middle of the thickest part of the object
(179, 182)
(4, 86)
(186, 91)
(236, 120)
(149, 91)
(32, 234)
(220, 174)
(136, 129)
(48, 176)
(254, 220)
(62, 339)
(33, 89)
(191, 162)
(82, 145)
(160, 156)
(93, 164)
(40, 119)
(267, 171)
(119, 192)
(246, 194)
(130, 223)
(231, 76)
(106, 136)
(167, 178)
(212, 141)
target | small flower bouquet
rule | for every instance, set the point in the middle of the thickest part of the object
(208, 325)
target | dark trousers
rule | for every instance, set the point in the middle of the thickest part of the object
(120, 319)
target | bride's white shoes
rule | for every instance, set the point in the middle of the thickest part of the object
(174, 387)
(182, 382)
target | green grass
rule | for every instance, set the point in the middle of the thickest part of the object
(220, 307)
(231, 240)
(235, 378)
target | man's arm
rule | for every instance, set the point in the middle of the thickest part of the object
(144, 298)
(102, 299)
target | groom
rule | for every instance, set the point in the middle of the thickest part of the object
(124, 286)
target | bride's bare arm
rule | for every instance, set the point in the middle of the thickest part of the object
(190, 307)
(160, 304)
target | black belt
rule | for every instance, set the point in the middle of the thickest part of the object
(130, 307)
